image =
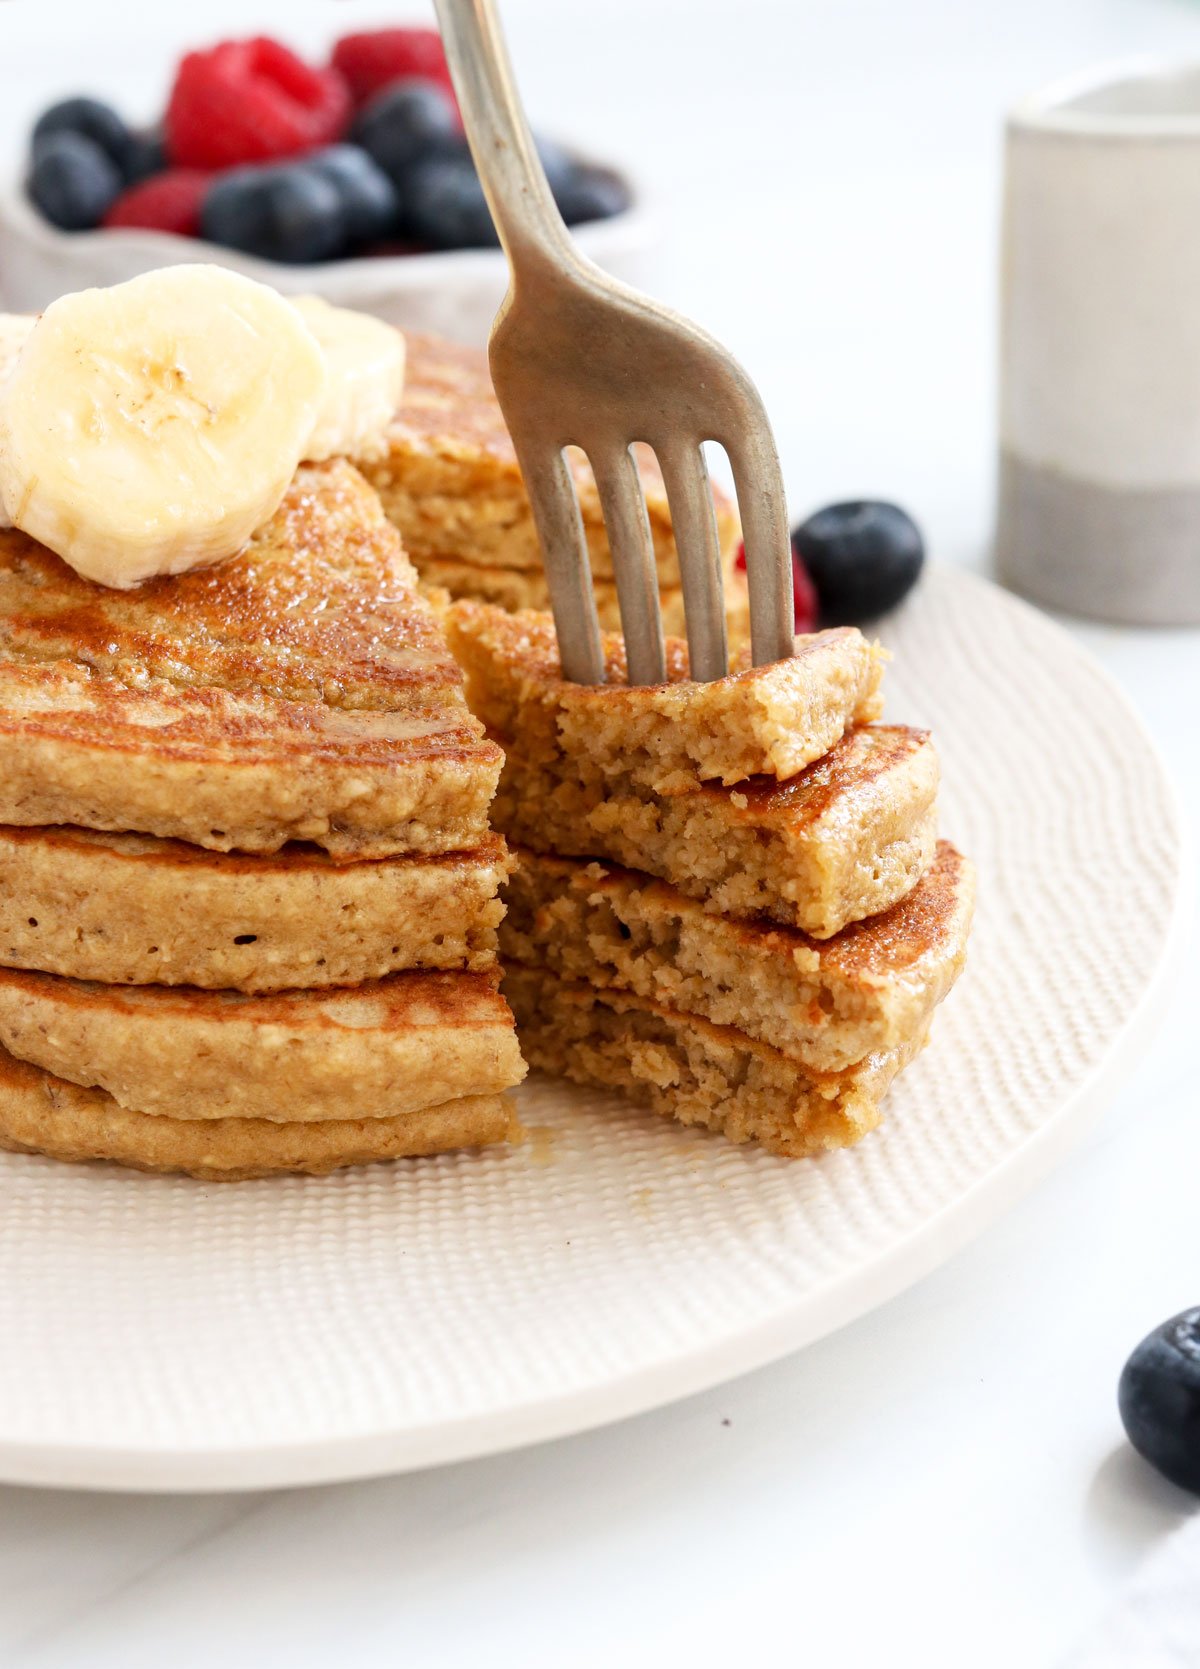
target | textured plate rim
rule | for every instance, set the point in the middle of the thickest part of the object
(390, 1451)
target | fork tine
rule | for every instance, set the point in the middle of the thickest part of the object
(628, 528)
(762, 505)
(564, 554)
(694, 520)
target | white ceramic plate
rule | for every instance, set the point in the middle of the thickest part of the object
(162, 1334)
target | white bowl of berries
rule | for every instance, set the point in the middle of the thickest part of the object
(351, 180)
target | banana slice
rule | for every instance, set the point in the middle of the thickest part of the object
(365, 363)
(14, 333)
(151, 427)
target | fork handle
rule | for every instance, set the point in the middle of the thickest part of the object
(510, 169)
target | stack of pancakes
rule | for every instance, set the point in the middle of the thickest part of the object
(730, 901)
(448, 478)
(248, 890)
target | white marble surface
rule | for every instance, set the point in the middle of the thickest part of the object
(944, 1482)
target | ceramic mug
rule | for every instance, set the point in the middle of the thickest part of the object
(1099, 491)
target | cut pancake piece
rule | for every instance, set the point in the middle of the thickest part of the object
(300, 691)
(42, 1114)
(825, 1003)
(846, 838)
(768, 720)
(134, 910)
(382, 1049)
(686, 1068)
(449, 479)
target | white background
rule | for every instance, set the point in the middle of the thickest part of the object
(944, 1483)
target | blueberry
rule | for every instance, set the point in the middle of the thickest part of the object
(408, 122)
(92, 120)
(290, 213)
(145, 154)
(862, 558)
(592, 194)
(582, 191)
(445, 206)
(72, 181)
(558, 164)
(1159, 1399)
(369, 200)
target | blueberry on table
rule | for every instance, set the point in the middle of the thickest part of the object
(405, 124)
(369, 202)
(291, 214)
(862, 556)
(1159, 1399)
(445, 208)
(591, 193)
(72, 181)
(91, 119)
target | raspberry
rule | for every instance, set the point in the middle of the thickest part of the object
(805, 595)
(371, 61)
(802, 590)
(251, 101)
(168, 202)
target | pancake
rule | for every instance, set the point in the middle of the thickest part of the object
(301, 690)
(449, 480)
(134, 910)
(41, 1114)
(824, 1003)
(686, 1068)
(385, 1048)
(766, 720)
(846, 838)
(514, 589)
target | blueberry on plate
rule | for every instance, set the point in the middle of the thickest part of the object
(369, 201)
(590, 193)
(444, 206)
(406, 123)
(863, 557)
(292, 214)
(1159, 1399)
(91, 119)
(146, 154)
(72, 181)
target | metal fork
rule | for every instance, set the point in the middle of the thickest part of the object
(579, 359)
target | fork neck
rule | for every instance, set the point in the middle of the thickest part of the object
(510, 170)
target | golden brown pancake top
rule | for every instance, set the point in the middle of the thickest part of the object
(849, 769)
(320, 606)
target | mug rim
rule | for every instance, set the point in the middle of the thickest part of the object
(1053, 108)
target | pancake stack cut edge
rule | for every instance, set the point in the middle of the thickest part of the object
(248, 887)
(730, 901)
